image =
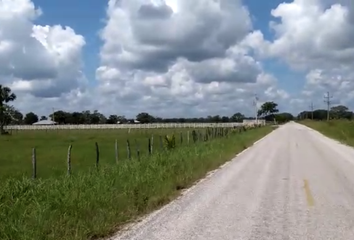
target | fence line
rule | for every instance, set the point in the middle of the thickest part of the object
(135, 148)
(128, 126)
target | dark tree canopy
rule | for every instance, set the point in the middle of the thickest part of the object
(268, 108)
(336, 112)
(237, 117)
(145, 118)
(6, 111)
(30, 118)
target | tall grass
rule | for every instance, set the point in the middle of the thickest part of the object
(52, 146)
(341, 130)
(94, 204)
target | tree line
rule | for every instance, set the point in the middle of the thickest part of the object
(11, 116)
(335, 112)
(95, 117)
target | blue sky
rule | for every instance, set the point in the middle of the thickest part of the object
(85, 17)
(88, 18)
(261, 10)
(153, 59)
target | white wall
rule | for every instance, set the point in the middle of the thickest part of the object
(252, 121)
(123, 126)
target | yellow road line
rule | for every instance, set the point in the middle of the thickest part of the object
(309, 197)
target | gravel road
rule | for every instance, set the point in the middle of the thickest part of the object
(293, 184)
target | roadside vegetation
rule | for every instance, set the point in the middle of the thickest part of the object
(93, 204)
(86, 184)
(52, 147)
(340, 129)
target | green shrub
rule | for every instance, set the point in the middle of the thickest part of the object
(170, 142)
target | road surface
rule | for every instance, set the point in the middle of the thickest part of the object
(293, 184)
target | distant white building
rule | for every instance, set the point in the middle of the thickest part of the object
(45, 122)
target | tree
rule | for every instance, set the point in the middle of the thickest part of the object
(225, 119)
(112, 119)
(87, 117)
(321, 114)
(145, 118)
(59, 117)
(102, 118)
(340, 111)
(30, 118)
(209, 119)
(284, 117)
(97, 118)
(11, 115)
(16, 116)
(237, 117)
(268, 108)
(216, 119)
(77, 118)
(43, 118)
(6, 96)
(122, 119)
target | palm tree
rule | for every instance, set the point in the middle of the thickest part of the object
(5, 96)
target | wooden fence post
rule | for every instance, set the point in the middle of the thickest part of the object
(97, 155)
(152, 143)
(69, 160)
(149, 146)
(194, 136)
(161, 143)
(34, 163)
(137, 149)
(116, 150)
(128, 149)
(188, 137)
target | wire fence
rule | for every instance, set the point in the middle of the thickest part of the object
(135, 149)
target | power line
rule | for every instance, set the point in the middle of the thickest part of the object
(328, 102)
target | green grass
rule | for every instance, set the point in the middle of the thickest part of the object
(52, 146)
(341, 130)
(91, 204)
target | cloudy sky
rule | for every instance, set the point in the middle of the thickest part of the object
(176, 57)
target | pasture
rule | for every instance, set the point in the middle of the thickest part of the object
(94, 204)
(52, 147)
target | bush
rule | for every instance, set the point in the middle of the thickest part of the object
(170, 142)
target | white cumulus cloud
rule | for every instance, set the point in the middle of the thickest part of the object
(42, 64)
(314, 37)
(180, 57)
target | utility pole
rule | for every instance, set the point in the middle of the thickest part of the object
(328, 102)
(311, 107)
(255, 103)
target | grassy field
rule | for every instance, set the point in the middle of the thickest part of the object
(94, 204)
(342, 130)
(52, 146)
